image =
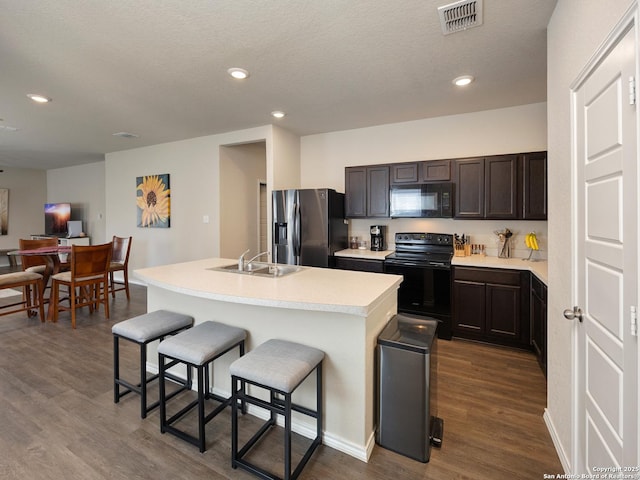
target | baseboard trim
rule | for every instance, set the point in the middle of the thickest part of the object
(562, 455)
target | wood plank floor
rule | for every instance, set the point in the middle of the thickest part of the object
(58, 419)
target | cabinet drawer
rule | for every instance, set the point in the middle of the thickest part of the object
(487, 275)
(359, 264)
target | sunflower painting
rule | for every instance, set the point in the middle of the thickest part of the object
(153, 201)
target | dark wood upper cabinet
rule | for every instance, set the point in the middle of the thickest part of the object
(469, 191)
(501, 187)
(355, 200)
(378, 191)
(421, 172)
(534, 185)
(404, 173)
(367, 191)
(435, 171)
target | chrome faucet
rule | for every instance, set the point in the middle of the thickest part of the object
(257, 256)
(241, 260)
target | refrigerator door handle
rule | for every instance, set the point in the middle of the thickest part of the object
(296, 231)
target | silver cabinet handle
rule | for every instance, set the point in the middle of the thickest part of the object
(572, 314)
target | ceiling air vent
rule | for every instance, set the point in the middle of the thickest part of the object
(461, 15)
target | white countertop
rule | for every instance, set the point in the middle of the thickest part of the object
(538, 268)
(320, 289)
(363, 253)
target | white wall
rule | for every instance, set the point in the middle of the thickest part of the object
(84, 187)
(242, 167)
(575, 31)
(283, 161)
(508, 130)
(27, 196)
(194, 169)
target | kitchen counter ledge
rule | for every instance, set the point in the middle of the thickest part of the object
(538, 268)
(363, 254)
(319, 289)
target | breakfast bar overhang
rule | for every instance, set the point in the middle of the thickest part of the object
(338, 311)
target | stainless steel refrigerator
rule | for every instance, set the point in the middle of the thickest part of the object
(308, 226)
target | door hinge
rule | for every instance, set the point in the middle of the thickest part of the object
(632, 90)
(634, 321)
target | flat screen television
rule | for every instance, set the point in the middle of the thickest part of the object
(56, 216)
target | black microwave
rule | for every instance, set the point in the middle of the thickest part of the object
(427, 200)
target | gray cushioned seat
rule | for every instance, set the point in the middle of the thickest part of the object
(152, 325)
(201, 343)
(277, 364)
(8, 279)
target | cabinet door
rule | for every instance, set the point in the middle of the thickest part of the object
(539, 321)
(355, 192)
(469, 309)
(503, 311)
(378, 191)
(534, 186)
(469, 177)
(501, 186)
(435, 171)
(404, 173)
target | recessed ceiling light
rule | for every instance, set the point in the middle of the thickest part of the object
(463, 80)
(36, 97)
(278, 114)
(238, 73)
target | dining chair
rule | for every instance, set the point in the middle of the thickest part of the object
(120, 262)
(30, 283)
(87, 281)
(35, 263)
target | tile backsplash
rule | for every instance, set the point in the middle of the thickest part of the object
(479, 231)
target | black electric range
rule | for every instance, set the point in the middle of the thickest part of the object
(424, 260)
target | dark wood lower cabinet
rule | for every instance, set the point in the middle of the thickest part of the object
(539, 321)
(360, 264)
(492, 305)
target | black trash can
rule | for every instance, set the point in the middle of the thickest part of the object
(407, 387)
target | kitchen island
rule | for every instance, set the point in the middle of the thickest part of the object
(339, 312)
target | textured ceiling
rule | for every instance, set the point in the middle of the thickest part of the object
(157, 68)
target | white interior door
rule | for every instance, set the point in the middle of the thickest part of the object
(606, 287)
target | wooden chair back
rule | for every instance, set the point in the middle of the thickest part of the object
(90, 260)
(35, 260)
(121, 249)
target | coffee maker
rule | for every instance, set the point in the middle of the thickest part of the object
(377, 237)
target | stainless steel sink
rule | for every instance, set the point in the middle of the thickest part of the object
(260, 269)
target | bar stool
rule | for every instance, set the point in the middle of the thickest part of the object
(197, 348)
(280, 367)
(142, 330)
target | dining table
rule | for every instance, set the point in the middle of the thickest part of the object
(53, 257)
